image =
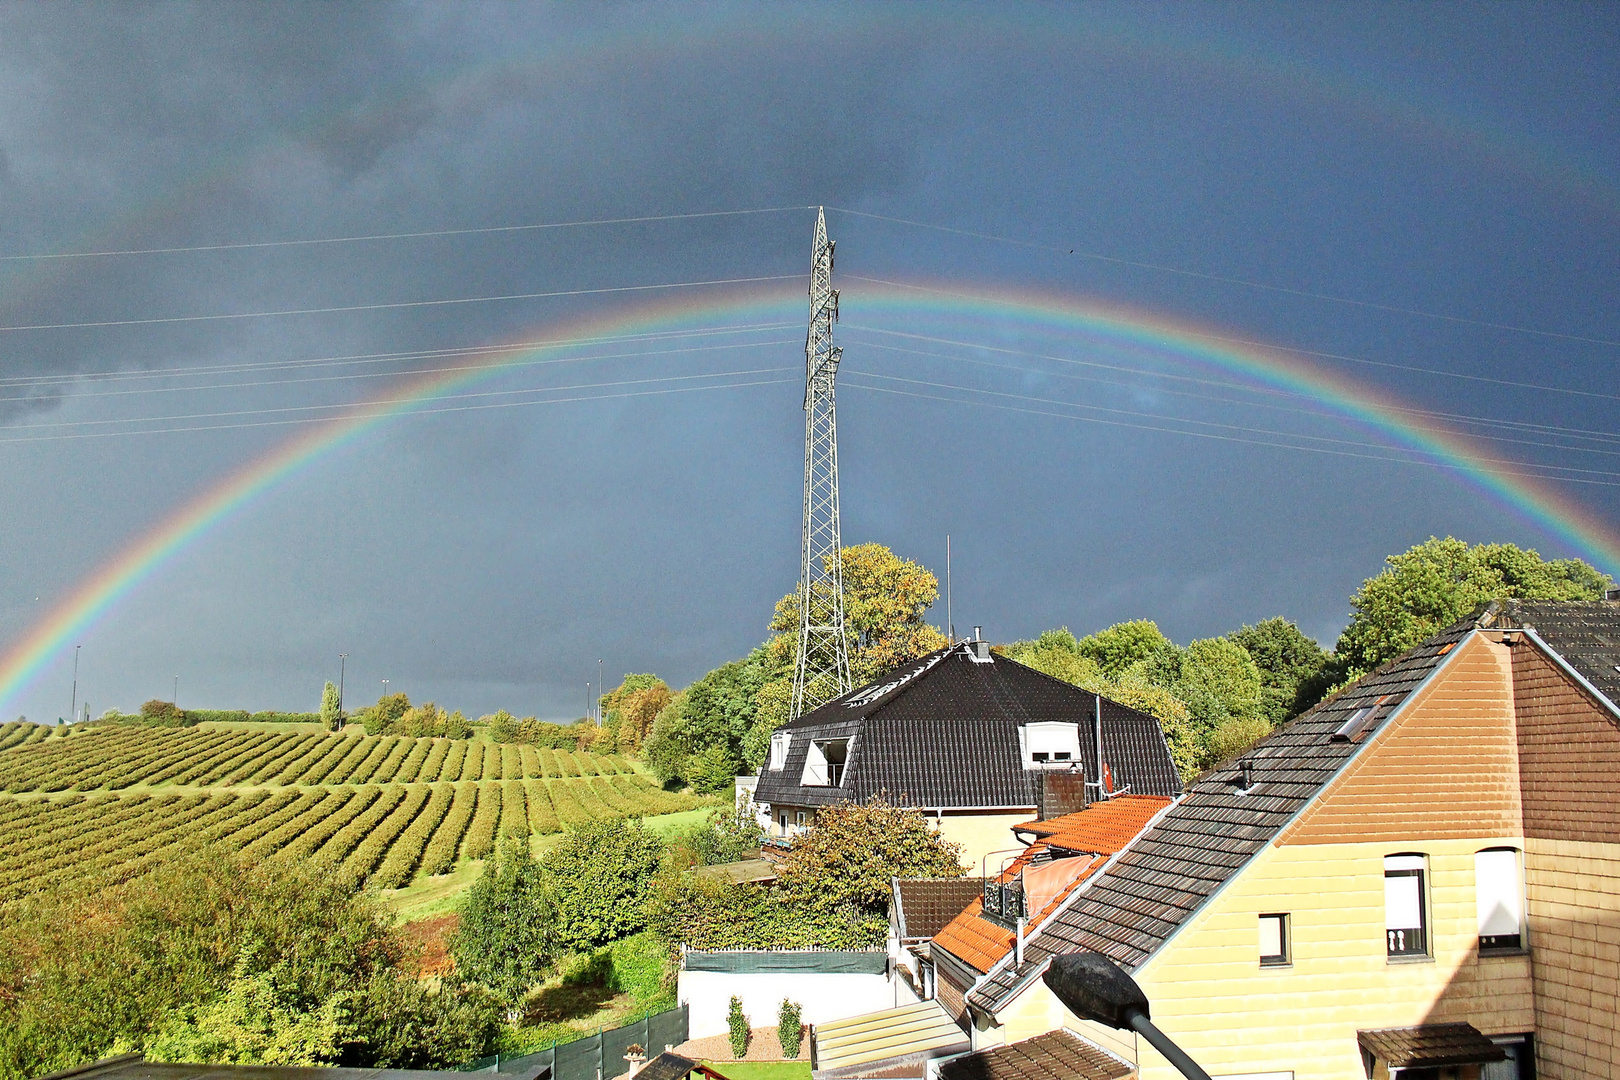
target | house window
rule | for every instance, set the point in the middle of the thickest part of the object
(1406, 924)
(824, 762)
(779, 749)
(801, 820)
(1499, 898)
(1049, 744)
(781, 819)
(1274, 950)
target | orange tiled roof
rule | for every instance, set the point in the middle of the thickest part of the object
(1099, 830)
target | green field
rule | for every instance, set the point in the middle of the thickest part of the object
(385, 810)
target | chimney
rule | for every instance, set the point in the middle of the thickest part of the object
(636, 1056)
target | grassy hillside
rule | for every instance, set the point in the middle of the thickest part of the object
(385, 810)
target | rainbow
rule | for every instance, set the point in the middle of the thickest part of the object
(1532, 499)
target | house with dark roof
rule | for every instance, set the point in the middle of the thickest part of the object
(978, 741)
(1420, 873)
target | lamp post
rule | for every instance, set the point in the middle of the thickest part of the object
(598, 702)
(1093, 988)
(385, 688)
(343, 669)
(74, 708)
(175, 701)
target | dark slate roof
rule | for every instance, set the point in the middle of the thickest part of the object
(1056, 1055)
(1205, 838)
(923, 906)
(942, 731)
(1585, 633)
(1430, 1046)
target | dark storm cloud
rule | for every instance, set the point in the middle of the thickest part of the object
(181, 124)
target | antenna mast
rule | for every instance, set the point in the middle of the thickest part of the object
(822, 670)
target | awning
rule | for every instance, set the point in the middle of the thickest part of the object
(911, 1033)
(1430, 1046)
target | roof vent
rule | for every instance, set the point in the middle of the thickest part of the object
(1356, 724)
(1244, 780)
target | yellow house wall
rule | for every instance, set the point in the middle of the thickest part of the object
(1211, 995)
(1573, 906)
(982, 833)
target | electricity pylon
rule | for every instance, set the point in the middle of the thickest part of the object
(822, 670)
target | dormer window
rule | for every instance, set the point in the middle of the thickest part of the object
(779, 749)
(824, 762)
(1050, 745)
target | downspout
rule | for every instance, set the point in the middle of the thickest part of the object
(1096, 731)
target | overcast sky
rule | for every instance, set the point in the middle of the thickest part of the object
(1405, 194)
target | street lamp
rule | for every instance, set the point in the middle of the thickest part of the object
(1094, 988)
(598, 702)
(343, 668)
(385, 688)
(175, 701)
(74, 708)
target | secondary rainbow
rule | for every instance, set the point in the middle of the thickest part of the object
(1536, 501)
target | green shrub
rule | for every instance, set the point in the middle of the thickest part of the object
(737, 1027)
(163, 714)
(270, 716)
(505, 938)
(599, 875)
(789, 1028)
(593, 968)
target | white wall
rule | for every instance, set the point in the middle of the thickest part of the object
(823, 997)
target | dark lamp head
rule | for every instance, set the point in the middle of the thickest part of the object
(1094, 988)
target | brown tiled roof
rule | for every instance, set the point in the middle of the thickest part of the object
(1101, 828)
(1056, 1055)
(1586, 634)
(1430, 1046)
(1207, 836)
(942, 731)
(924, 905)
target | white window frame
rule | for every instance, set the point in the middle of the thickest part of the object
(1049, 744)
(1285, 957)
(818, 771)
(1499, 906)
(781, 742)
(1400, 868)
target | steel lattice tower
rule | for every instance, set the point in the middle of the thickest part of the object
(822, 669)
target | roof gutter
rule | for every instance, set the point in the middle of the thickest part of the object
(1557, 658)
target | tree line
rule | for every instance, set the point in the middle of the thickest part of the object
(1214, 696)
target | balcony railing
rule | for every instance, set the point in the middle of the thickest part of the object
(1004, 902)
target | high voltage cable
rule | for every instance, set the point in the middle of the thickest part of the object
(384, 357)
(504, 365)
(1270, 347)
(1224, 279)
(366, 410)
(405, 303)
(1316, 413)
(400, 235)
(1213, 435)
(1035, 245)
(1215, 424)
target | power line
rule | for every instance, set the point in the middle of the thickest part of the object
(1227, 280)
(366, 409)
(405, 304)
(400, 235)
(385, 357)
(1460, 418)
(1217, 424)
(411, 372)
(1270, 347)
(1213, 435)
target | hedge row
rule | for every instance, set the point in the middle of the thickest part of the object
(481, 833)
(440, 855)
(406, 852)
